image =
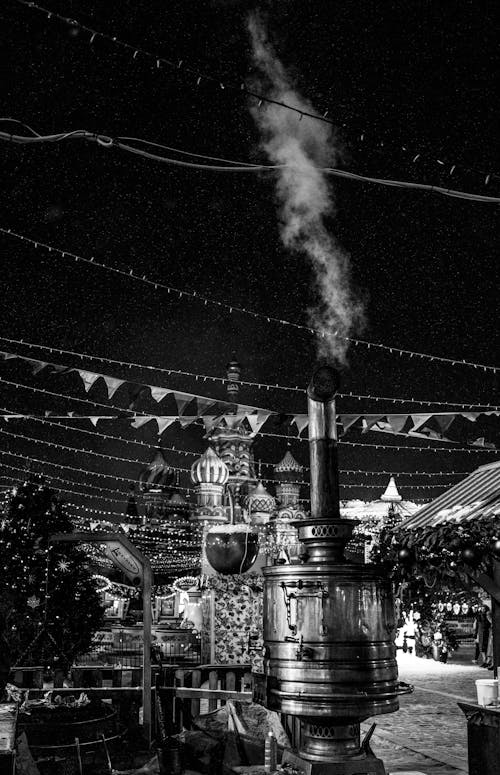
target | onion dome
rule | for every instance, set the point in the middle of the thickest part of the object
(260, 500)
(157, 475)
(177, 507)
(391, 494)
(288, 467)
(209, 469)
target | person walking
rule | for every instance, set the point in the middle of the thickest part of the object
(483, 635)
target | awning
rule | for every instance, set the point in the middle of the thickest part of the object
(476, 496)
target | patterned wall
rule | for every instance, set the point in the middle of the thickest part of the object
(238, 620)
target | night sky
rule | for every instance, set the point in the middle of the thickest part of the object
(398, 79)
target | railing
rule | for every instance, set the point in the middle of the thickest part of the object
(185, 692)
(129, 654)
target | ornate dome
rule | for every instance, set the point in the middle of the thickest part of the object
(178, 506)
(209, 469)
(259, 499)
(157, 475)
(288, 465)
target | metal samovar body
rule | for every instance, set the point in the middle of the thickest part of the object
(329, 624)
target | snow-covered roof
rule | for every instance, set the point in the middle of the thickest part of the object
(476, 495)
(357, 509)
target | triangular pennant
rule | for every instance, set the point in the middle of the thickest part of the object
(204, 404)
(159, 393)
(257, 420)
(472, 416)
(369, 420)
(397, 421)
(233, 421)
(112, 385)
(135, 392)
(164, 422)
(7, 356)
(36, 366)
(348, 420)
(138, 422)
(209, 423)
(444, 421)
(185, 421)
(57, 369)
(300, 421)
(182, 400)
(419, 420)
(88, 378)
(94, 420)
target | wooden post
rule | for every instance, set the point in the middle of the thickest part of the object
(146, 657)
(495, 616)
(212, 626)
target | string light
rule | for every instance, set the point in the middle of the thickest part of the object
(66, 481)
(260, 462)
(83, 470)
(90, 378)
(394, 447)
(196, 75)
(193, 295)
(259, 385)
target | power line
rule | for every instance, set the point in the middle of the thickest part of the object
(196, 76)
(111, 142)
(194, 295)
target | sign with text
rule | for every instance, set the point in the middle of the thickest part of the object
(125, 560)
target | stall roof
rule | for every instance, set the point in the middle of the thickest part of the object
(478, 495)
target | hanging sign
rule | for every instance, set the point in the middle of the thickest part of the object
(125, 560)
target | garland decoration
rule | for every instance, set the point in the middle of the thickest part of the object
(443, 556)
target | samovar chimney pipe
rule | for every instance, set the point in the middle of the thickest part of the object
(323, 443)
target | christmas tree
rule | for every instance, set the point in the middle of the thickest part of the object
(48, 599)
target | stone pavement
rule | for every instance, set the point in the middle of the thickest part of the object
(429, 732)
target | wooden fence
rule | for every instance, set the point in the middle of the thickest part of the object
(184, 692)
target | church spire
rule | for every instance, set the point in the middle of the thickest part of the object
(233, 374)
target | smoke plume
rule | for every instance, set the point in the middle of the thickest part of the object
(305, 199)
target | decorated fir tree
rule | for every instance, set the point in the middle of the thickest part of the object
(48, 598)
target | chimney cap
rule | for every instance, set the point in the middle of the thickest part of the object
(324, 384)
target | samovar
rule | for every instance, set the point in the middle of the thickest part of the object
(329, 624)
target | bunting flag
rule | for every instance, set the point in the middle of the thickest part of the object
(164, 423)
(138, 422)
(302, 420)
(112, 384)
(414, 425)
(136, 390)
(158, 393)
(420, 425)
(88, 378)
(182, 400)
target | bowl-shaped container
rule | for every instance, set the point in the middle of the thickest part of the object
(231, 549)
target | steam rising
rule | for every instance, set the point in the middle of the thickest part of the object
(303, 193)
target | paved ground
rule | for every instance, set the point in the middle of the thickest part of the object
(429, 732)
